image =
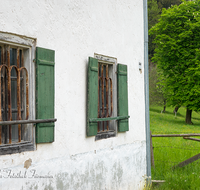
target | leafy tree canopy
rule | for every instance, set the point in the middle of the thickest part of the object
(177, 53)
(154, 11)
(167, 3)
(153, 16)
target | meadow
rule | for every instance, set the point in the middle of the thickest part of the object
(170, 151)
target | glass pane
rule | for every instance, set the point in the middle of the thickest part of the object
(13, 56)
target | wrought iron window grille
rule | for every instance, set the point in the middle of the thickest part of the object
(14, 86)
(105, 100)
(106, 68)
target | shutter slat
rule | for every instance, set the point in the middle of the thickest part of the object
(122, 97)
(92, 98)
(45, 61)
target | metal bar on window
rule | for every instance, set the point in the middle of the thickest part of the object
(102, 91)
(0, 98)
(14, 145)
(18, 95)
(18, 88)
(111, 98)
(106, 78)
(13, 110)
(105, 97)
(9, 93)
(99, 81)
(0, 133)
(9, 84)
(27, 121)
(27, 92)
(107, 119)
(0, 112)
(4, 90)
(22, 90)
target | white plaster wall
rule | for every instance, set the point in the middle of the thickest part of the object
(76, 29)
(102, 169)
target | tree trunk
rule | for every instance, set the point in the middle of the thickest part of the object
(176, 109)
(188, 118)
(164, 106)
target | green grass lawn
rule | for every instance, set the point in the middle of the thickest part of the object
(169, 151)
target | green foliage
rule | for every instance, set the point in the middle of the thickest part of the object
(155, 92)
(177, 53)
(168, 3)
(153, 16)
(170, 151)
(154, 11)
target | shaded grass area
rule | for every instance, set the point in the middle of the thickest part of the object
(169, 151)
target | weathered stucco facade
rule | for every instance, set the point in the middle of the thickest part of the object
(76, 29)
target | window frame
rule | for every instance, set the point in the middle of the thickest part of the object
(107, 60)
(30, 45)
(121, 85)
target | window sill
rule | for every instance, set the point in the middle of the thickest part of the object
(16, 148)
(105, 135)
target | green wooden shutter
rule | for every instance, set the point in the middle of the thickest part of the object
(92, 98)
(122, 97)
(45, 61)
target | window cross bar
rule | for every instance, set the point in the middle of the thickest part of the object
(27, 121)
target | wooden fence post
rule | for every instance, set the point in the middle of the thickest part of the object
(152, 156)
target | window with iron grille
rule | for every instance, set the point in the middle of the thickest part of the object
(107, 100)
(17, 93)
(27, 94)
(14, 94)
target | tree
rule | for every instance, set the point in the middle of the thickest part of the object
(168, 3)
(155, 92)
(153, 16)
(177, 55)
(154, 11)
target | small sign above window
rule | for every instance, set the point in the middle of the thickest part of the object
(105, 59)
